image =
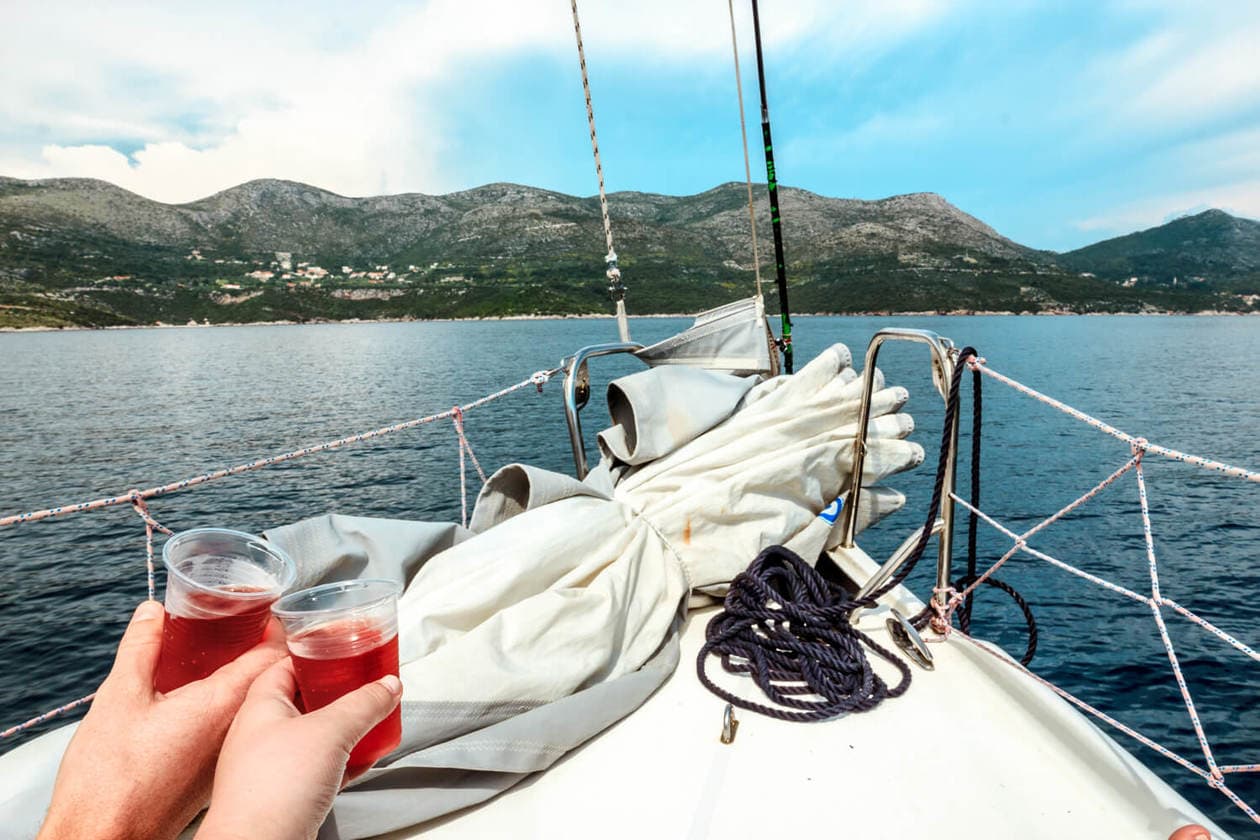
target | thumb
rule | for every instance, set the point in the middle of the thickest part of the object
(270, 697)
(137, 656)
(350, 717)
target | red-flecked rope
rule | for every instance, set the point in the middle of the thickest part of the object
(136, 498)
(1141, 443)
(1212, 773)
(537, 379)
(1216, 782)
(150, 525)
(940, 622)
(465, 448)
(48, 715)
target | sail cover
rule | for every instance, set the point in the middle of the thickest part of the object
(733, 338)
(558, 611)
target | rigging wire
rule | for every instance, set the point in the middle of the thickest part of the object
(615, 286)
(743, 130)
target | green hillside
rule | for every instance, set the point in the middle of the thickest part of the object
(79, 252)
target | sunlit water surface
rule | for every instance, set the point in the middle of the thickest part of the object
(86, 414)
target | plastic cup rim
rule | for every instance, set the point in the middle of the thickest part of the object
(290, 568)
(279, 607)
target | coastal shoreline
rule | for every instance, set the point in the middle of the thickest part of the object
(606, 317)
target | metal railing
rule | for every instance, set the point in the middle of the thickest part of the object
(944, 359)
(577, 391)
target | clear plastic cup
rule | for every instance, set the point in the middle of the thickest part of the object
(341, 636)
(220, 586)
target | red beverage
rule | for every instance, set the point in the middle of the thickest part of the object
(342, 666)
(194, 648)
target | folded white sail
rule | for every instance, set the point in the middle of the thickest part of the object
(733, 337)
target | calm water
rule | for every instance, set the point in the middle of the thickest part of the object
(86, 414)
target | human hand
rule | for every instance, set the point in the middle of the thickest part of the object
(142, 762)
(280, 769)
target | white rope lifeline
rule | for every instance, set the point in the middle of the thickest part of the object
(1211, 771)
(136, 498)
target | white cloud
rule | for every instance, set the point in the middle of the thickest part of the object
(1228, 163)
(215, 96)
(1239, 198)
(1198, 63)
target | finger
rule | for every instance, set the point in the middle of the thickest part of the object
(236, 676)
(270, 697)
(138, 652)
(888, 400)
(349, 718)
(849, 388)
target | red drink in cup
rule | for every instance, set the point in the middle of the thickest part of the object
(341, 636)
(220, 586)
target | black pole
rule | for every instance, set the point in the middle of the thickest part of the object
(772, 183)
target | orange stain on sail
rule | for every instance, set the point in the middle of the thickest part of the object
(687, 532)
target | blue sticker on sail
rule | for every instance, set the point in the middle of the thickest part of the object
(831, 511)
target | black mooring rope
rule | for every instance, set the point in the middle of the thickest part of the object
(938, 490)
(1029, 620)
(964, 609)
(787, 627)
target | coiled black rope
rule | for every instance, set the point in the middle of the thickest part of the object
(788, 628)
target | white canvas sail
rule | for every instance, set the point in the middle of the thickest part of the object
(733, 338)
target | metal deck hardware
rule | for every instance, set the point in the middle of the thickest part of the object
(944, 357)
(577, 391)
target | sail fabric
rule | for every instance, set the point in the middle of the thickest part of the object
(648, 422)
(733, 337)
(561, 615)
(558, 611)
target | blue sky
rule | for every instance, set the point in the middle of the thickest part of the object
(1059, 123)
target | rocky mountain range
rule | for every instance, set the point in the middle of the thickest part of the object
(77, 251)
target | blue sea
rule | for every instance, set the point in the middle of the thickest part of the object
(87, 414)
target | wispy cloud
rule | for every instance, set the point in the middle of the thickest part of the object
(1219, 171)
(280, 95)
(1238, 198)
(1047, 118)
(1198, 64)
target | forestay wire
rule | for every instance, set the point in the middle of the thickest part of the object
(137, 498)
(615, 286)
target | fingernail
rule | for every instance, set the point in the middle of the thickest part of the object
(392, 684)
(147, 610)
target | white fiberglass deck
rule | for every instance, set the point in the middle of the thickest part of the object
(973, 750)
